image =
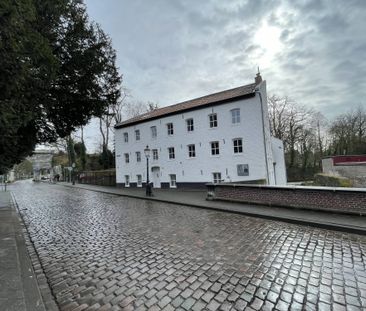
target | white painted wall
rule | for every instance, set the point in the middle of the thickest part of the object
(200, 169)
(279, 161)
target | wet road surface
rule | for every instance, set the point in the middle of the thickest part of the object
(105, 252)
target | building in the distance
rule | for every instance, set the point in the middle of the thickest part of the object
(221, 137)
(42, 163)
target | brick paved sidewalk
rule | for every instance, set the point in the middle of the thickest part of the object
(19, 289)
(327, 220)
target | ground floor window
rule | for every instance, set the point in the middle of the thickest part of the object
(139, 181)
(173, 181)
(127, 180)
(243, 169)
(216, 177)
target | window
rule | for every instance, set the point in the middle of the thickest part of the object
(235, 116)
(138, 156)
(137, 134)
(127, 180)
(155, 154)
(125, 137)
(170, 128)
(243, 169)
(215, 148)
(213, 120)
(171, 153)
(238, 145)
(216, 177)
(173, 181)
(191, 151)
(139, 180)
(127, 158)
(154, 132)
(190, 126)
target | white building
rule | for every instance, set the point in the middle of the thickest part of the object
(221, 137)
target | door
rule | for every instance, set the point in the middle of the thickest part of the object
(155, 172)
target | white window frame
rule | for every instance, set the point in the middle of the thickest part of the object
(127, 180)
(213, 120)
(154, 132)
(125, 137)
(137, 134)
(216, 176)
(127, 158)
(191, 150)
(190, 125)
(237, 146)
(170, 128)
(155, 154)
(171, 153)
(173, 181)
(139, 180)
(138, 156)
(215, 148)
(235, 115)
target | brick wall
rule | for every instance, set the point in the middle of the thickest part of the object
(341, 200)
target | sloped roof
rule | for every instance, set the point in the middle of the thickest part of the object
(245, 91)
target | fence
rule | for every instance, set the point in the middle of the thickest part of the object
(101, 178)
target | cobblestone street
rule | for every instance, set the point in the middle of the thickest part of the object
(105, 252)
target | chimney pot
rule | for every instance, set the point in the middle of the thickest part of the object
(258, 78)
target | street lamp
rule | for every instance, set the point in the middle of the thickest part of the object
(73, 173)
(148, 187)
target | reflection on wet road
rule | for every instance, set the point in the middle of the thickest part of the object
(100, 250)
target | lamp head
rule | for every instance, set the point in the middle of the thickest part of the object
(147, 152)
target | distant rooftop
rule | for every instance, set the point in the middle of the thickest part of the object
(354, 159)
(241, 92)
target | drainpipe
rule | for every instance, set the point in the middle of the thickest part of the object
(264, 135)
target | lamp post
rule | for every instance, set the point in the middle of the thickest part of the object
(73, 173)
(148, 187)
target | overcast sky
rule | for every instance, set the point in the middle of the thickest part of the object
(173, 50)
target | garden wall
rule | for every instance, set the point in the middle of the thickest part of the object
(341, 200)
(101, 178)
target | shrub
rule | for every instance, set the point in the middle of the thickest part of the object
(331, 181)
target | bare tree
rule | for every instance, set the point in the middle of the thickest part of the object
(289, 122)
(133, 108)
(278, 115)
(348, 133)
(111, 116)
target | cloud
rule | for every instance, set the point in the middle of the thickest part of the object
(171, 51)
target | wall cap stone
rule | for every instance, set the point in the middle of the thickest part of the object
(290, 187)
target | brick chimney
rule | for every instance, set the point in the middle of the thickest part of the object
(258, 78)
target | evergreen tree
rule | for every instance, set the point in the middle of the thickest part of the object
(57, 70)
